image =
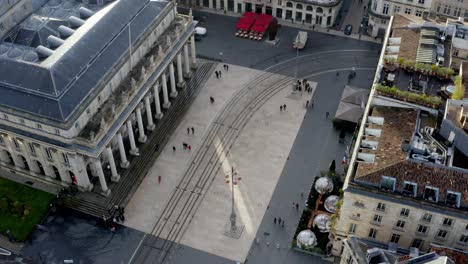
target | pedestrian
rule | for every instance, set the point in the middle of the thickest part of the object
(113, 228)
(104, 219)
(184, 145)
(227, 67)
(282, 224)
(189, 147)
(337, 73)
(279, 220)
(274, 220)
(327, 115)
(302, 195)
(188, 130)
(294, 205)
(193, 131)
(173, 148)
(307, 103)
(284, 107)
(212, 99)
(220, 74)
(217, 75)
(297, 207)
(159, 179)
(281, 108)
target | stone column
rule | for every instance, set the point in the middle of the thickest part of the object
(102, 179)
(133, 148)
(235, 6)
(19, 162)
(110, 157)
(180, 76)
(225, 5)
(166, 103)
(210, 4)
(283, 13)
(149, 115)
(172, 80)
(187, 73)
(4, 156)
(193, 52)
(157, 103)
(218, 4)
(124, 163)
(142, 138)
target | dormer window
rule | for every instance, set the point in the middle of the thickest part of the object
(431, 194)
(453, 199)
(388, 183)
(410, 188)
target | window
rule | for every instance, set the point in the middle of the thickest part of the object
(39, 126)
(359, 204)
(431, 194)
(57, 131)
(417, 243)
(21, 121)
(15, 141)
(422, 229)
(372, 233)
(88, 111)
(439, 5)
(464, 239)
(396, 9)
(408, 11)
(466, 14)
(427, 217)
(352, 228)
(442, 234)
(404, 212)
(49, 154)
(400, 224)
(299, 6)
(377, 218)
(455, 52)
(421, 2)
(410, 188)
(5, 116)
(447, 9)
(375, 6)
(2, 27)
(453, 198)
(418, 13)
(395, 238)
(280, 2)
(65, 158)
(380, 207)
(447, 222)
(385, 9)
(387, 183)
(32, 148)
(457, 11)
(466, 227)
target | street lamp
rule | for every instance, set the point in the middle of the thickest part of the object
(234, 230)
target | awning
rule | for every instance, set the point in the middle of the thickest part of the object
(246, 21)
(352, 104)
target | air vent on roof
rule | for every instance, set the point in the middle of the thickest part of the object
(85, 12)
(65, 31)
(44, 52)
(54, 42)
(76, 22)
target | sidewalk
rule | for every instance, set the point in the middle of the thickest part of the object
(300, 26)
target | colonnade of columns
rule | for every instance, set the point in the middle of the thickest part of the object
(184, 61)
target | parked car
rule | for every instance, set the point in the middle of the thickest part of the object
(348, 29)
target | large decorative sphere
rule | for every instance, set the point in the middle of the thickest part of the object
(322, 221)
(330, 203)
(306, 238)
(324, 185)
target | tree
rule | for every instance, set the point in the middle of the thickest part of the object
(459, 92)
(332, 166)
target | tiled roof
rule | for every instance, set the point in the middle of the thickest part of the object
(458, 256)
(409, 37)
(399, 125)
(424, 174)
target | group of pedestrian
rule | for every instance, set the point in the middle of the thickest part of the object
(282, 107)
(190, 129)
(184, 145)
(279, 221)
(218, 74)
(295, 205)
(226, 67)
(118, 215)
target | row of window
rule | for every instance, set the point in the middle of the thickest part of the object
(396, 9)
(441, 234)
(447, 10)
(430, 193)
(32, 149)
(38, 126)
(308, 8)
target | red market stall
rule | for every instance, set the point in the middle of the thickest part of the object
(245, 23)
(258, 30)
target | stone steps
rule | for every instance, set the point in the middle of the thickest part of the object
(132, 177)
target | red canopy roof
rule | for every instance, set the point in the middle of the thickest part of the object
(246, 21)
(261, 23)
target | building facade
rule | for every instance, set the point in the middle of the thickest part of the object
(321, 13)
(78, 98)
